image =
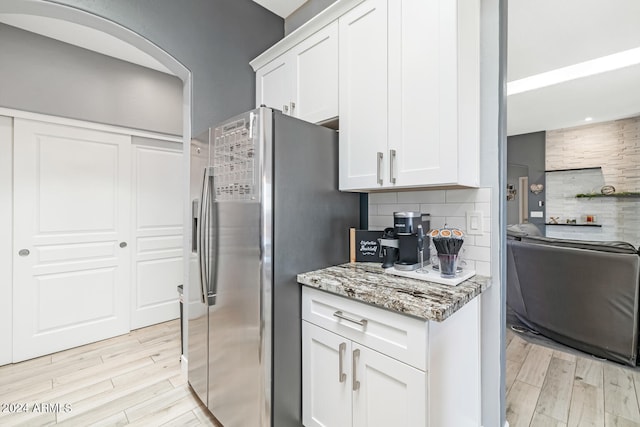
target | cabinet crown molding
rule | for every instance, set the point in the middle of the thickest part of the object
(322, 19)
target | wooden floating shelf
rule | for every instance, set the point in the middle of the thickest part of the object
(575, 169)
(575, 225)
(630, 195)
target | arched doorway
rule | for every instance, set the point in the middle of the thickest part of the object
(78, 17)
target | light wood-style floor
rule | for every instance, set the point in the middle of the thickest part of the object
(550, 388)
(131, 379)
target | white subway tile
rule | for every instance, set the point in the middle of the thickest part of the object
(447, 209)
(456, 222)
(483, 240)
(373, 209)
(478, 253)
(485, 208)
(468, 195)
(379, 198)
(391, 208)
(483, 268)
(377, 222)
(430, 196)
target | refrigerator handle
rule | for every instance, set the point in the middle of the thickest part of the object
(212, 222)
(202, 237)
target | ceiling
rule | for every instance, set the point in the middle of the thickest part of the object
(546, 35)
(82, 36)
(282, 8)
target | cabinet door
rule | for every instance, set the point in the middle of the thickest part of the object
(326, 374)
(386, 392)
(274, 84)
(433, 106)
(363, 96)
(316, 69)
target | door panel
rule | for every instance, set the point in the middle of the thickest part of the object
(316, 67)
(326, 395)
(198, 339)
(236, 365)
(390, 392)
(363, 95)
(6, 231)
(71, 211)
(275, 84)
(157, 221)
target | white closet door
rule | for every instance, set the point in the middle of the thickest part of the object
(6, 227)
(71, 215)
(157, 224)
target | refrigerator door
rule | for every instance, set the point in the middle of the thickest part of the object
(237, 360)
(197, 309)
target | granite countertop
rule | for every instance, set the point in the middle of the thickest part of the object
(367, 282)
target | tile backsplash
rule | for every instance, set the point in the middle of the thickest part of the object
(445, 207)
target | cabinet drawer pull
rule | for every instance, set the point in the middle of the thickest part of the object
(392, 170)
(355, 385)
(361, 322)
(342, 377)
(379, 168)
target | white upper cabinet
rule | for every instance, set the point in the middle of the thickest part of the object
(403, 76)
(274, 84)
(303, 81)
(316, 76)
(363, 96)
(424, 130)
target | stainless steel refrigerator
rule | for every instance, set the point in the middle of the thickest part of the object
(266, 206)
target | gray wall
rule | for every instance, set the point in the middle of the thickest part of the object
(43, 75)
(529, 150)
(305, 12)
(214, 39)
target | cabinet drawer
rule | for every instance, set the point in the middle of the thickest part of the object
(402, 337)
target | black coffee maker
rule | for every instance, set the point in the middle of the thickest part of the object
(412, 240)
(388, 248)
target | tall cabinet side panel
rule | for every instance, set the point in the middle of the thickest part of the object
(311, 224)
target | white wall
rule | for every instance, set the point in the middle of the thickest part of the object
(6, 226)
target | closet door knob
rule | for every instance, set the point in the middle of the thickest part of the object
(123, 244)
(24, 252)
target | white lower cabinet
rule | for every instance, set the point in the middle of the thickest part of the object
(326, 378)
(364, 366)
(345, 384)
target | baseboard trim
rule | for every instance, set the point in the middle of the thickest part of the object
(184, 368)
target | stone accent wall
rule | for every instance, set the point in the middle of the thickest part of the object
(615, 147)
(445, 207)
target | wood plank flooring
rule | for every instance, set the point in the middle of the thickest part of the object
(551, 388)
(133, 379)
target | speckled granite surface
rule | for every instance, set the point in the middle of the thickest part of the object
(367, 282)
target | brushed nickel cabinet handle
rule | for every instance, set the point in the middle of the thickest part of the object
(285, 109)
(392, 170)
(292, 106)
(355, 385)
(379, 168)
(340, 315)
(342, 377)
